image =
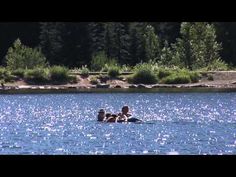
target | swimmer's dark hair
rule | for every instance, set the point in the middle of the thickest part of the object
(125, 107)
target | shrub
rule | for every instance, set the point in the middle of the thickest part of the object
(126, 68)
(210, 78)
(19, 72)
(94, 81)
(84, 71)
(20, 56)
(72, 79)
(194, 76)
(10, 78)
(37, 75)
(143, 76)
(109, 63)
(3, 73)
(163, 73)
(6, 75)
(150, 65)
(114, 71)
(217, 65)
(177, 79)
(59, 74)
(98, 61)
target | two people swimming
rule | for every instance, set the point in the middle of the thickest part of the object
(120, 117)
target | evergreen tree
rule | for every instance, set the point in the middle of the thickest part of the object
(152, 44)
(122, 42)
(166, 55)
(97, 33)
(51, 41)
(197, 46)
(137, 42)
(226, 35)
(110, 43)
(76, 44)
(23, 57)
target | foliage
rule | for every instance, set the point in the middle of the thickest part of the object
(144, 75)
(59, 74)
(37, 75)
(23, 57)
(84, 71)
(114, 71)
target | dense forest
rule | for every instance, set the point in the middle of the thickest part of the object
(75, 44)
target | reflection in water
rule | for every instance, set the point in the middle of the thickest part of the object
(174, 123)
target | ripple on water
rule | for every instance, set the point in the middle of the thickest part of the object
(175, 123)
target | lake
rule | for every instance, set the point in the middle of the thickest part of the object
(174, 123)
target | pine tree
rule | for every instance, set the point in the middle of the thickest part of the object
(137, 42)
(20, 56)
(226, 35)
(152, 44)
(197, 46)
(51, 41)
(110, 40)
(212, 47)
(166, 55)
(97, 37)
(76, 44)
(122, 42)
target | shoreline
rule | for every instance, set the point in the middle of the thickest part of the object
(132, 89)
(223, 81)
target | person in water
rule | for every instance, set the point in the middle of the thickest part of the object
(124, 115)
(101, 115)
(111, 117)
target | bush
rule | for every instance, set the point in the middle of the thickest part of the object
(164, 73)
(59, 74)
(84, 71)
(217, 65)
(114, 71)
(3, 73)
(143, 76)
(10, 78)
(72, 79)
(20, 56)
(125, 68)
(109, 63)
(194, 76)
(177, 79)
(37, 75)
(210, 78)
(19, 72)
(98, 61)
(6, 75)
(150, 66)
(94, 81)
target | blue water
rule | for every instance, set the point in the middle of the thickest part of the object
(175, 123)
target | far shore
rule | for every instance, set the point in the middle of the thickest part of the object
(223, 80)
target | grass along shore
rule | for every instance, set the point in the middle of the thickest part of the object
(100, 81)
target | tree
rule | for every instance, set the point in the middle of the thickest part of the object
(23, 57)
(10, 31)
(225, 32)
(166, 55)
(137, 42)
(97, 37)
(197, 46)
(152, 44)
(75, 49)
(167, 31)
(122, 42)
(51, 41)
